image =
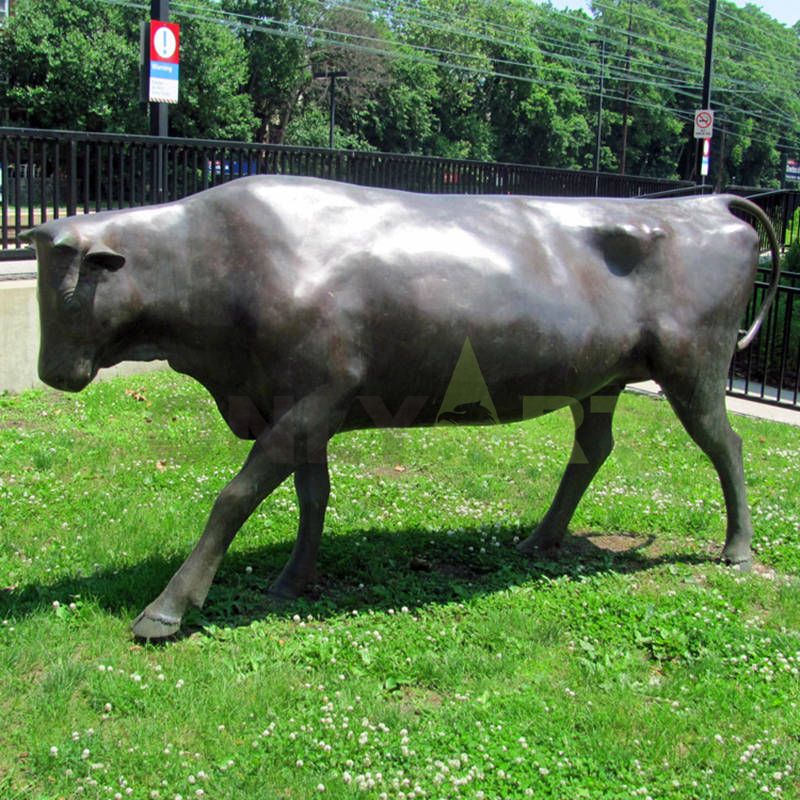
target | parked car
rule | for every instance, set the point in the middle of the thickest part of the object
(232, 167)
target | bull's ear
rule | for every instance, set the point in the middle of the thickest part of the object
(104, 257)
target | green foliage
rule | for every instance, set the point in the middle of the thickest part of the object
(312, 129)
(432, 655)
(72, 65)
(277, 65)
(512, 81)
(791, 258)
(214, 74)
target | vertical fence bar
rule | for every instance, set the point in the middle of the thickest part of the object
(56, 179)
(87, 157)
(787, 299)
(110, 177)
(43, 182)
(17, 187)
(30, 181)
(72, 179)
(120, 153)
(98, 176)
(5, 187)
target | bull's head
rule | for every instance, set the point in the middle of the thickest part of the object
(75, 324)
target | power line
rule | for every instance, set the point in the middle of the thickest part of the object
(311, 34)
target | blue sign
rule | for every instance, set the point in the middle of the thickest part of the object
(163, 82)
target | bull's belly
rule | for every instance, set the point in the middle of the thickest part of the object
(471, 395)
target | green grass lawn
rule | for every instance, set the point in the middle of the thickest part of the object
(433, 660)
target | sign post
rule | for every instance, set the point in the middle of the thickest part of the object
(704, 130)
(160, 54)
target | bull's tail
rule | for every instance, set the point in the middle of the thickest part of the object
(742, 204)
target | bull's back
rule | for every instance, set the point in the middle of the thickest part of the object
(555, 296)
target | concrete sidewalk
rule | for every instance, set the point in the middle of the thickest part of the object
(19, 341)
(736, 405)
(17, 270)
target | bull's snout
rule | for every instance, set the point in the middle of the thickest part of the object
(68, 376)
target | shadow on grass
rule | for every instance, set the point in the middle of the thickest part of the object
(368, 569)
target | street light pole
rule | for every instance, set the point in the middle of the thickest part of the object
(331, 76)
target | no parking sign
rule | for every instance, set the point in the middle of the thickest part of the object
(703, 123)
(164, 61)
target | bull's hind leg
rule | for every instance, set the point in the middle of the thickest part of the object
(702, 412)
(312, 484)
(593, 444)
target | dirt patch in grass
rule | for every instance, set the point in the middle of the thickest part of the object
(588, 543)
(397, 471)
(415, 699)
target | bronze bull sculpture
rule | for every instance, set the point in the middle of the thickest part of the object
(308, 308)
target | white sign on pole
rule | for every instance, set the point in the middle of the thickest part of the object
(703, 123)
(706, 160)
(164, 61)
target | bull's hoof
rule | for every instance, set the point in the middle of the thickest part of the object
(742, 564)
(541, 542)
(150, 625)
(283, 591)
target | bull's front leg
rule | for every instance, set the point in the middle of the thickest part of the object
(275, 455)
(190, 584)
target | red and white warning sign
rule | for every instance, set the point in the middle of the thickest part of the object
(703, 123)
(164, 61)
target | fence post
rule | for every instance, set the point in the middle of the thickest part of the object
(786, 221)
(72, 179)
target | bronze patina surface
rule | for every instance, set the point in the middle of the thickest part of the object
(308, 307)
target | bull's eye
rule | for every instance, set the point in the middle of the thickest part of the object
(72, 305)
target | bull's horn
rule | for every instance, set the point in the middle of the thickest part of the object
(66, 239)
(27, 236)
(102, 256)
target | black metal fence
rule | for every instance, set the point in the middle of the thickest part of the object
(769, 370)
(50, 174)
(782, 206)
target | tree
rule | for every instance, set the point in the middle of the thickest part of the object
(71, 65)
(213, 102)
(74, 64)
(272, 33)
(756, 93)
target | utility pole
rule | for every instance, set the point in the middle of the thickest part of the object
(707, 73)
(159, 112)
(599, 116)
(331, 76)
(623, 159)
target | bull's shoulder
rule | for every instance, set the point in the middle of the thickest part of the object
(624, 246)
